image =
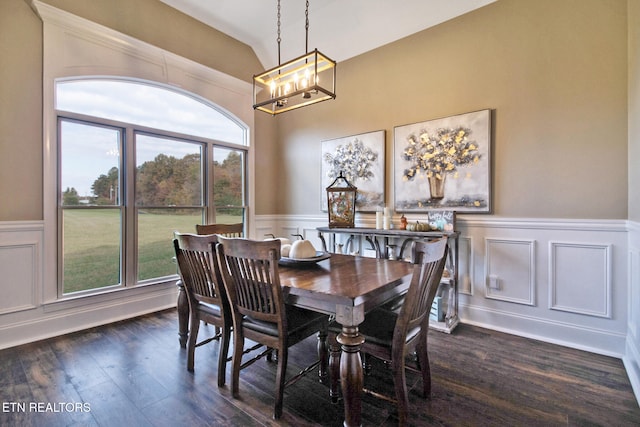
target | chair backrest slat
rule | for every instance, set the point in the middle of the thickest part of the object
(250, 273)
(429, 258)
(227, 230)
(198, 267)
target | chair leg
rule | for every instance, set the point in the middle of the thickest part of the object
(222, 356)
(366, 364)
(236, 362)
(280, 381)
(400, 385)
(191, 342)
(334, 368)
(323, 356)
(425, 368)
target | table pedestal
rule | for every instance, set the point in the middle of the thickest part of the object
(351, 375)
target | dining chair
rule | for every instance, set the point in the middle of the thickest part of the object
(208, 302)
(392, 335)
(251, 278)
(227, 230)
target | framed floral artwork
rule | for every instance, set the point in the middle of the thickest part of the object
(361, 159)
(444, 164)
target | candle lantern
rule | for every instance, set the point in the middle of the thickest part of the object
(341, 201)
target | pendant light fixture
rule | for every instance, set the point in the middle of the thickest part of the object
(306, 80)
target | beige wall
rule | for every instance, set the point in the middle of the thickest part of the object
(20, 112)
(554, 71)
(634, 110)
(21, 78)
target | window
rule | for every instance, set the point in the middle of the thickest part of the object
(136, 163)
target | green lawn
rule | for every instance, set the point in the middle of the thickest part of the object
(92, 245)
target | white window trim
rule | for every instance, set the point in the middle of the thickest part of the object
(75, 47)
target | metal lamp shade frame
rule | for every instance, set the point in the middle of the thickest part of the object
(306, 80)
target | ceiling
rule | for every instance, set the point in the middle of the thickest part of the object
(340, 29)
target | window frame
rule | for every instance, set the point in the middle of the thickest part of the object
(128, 207)
(75, 47)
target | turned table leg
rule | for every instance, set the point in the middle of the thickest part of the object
(351, 375)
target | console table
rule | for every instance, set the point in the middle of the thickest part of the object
(394, 244)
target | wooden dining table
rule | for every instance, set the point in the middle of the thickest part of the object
(348, 287)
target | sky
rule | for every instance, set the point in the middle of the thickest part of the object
(89, 151)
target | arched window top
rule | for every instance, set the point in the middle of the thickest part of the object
(150, 105)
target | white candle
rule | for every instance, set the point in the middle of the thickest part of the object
(378, 220)
(387, 218)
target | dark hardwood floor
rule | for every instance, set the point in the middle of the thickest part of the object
(133, 373)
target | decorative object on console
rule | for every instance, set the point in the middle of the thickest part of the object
(436, 221)
(444, 164)
(361, 158)
(341, 199)
(442, 220)
(306, 80)
(403, 222)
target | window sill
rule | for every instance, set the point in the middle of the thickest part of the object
(112, 296)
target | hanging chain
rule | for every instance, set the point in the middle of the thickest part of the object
(279, 39)
(306, 28)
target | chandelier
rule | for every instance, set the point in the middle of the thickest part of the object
(306, 80)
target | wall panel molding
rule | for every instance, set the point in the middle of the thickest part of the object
(580, 278)
(543, 223)
(465, 268)
(510, 270)
(18, 262)
(21, 246)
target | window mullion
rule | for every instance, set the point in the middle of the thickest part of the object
(208, 202)
(129, 209)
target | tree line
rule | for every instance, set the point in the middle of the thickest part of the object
(168, 181)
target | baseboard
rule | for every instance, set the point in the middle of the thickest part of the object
(631, 362)
(565, 334)
(48, 324)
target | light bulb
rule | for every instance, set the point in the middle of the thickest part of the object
(273, 88)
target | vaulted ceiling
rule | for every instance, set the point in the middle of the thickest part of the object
(340, 29)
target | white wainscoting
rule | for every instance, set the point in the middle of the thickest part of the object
(632, 354)
(560, 281)
(603, 262)
(23, 315)
(565, 281)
